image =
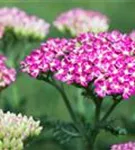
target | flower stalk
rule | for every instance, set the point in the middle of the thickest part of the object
(110, 110)
(65, 99)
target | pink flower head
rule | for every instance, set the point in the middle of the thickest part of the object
(7, 75)
(23, 24)
(78, 20)
(124, 146)
(105, 59)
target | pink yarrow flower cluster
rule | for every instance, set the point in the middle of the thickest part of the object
(23, 24)
(78, 21)
(105, 59)
(124, 146)
(7, 75)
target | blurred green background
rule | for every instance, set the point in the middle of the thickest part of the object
(42, 99)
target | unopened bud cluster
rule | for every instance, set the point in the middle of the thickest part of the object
(23, 24)
(78, 21)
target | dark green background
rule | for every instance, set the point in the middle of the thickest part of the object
(42, 99)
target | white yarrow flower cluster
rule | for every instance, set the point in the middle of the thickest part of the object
(14, 129)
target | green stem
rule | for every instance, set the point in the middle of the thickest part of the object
(98, 103)
(110, 110)
(65, 98)
(96, 129)
(15, 96)
(76, 120)
(91, 143)
(94, 133)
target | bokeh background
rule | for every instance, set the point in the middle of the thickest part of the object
(41, 99)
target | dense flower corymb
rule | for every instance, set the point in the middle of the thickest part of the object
(23, 24)
(14, 129)
(7, 75)
(77, 21)
(124, 146)
(105, 59)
